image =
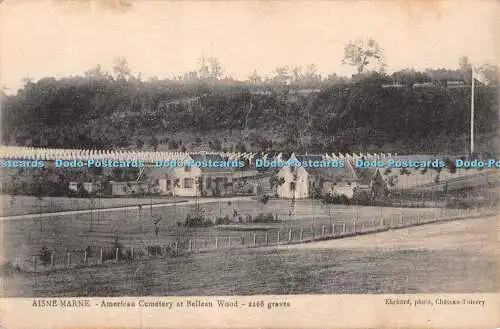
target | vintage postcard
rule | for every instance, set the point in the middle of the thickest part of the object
(249, 164)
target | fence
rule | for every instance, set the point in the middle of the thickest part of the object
(50, 261)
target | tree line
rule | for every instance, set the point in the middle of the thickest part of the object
(119, 109)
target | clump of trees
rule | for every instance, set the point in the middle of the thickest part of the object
(121, 110)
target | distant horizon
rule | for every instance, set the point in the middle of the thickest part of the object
(173, 77)
(165, 39)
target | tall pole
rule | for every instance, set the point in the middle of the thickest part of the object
(472, 115)
(150, 201)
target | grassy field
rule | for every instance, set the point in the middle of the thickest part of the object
(24, 238)
(452, 257)
(20, 204)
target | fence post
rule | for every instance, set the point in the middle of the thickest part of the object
(343, 228)
(278, 237)
(34, 263)
(267, 237)
(229, 242)
(176, 246)
(100, 256)
(69, 259)
(323, 230)
(216, 243)
(255, 239)
(373, 223)
(301, 234)
(52, 263)
(354, 227)
(312, 230)
(243, 239)
(290, 235)
(85, 257)
(132, 253)
(333, 229)
(117, 253)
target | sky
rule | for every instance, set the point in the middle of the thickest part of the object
(58, 38)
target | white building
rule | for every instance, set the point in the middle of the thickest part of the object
(202, 181)
(301, 182)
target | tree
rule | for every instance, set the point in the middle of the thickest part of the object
(95, 72)
(275, 181)
(156, 221)
(297, 74)
(203, 71)
(254, 78)
(361, 53)
(215, 69)
(490, 73)
(465, 68)
(306, 76)
(139, 143)
(464, 64)
(122, 68)
(154, 143)
(263, 201)
(281, 75)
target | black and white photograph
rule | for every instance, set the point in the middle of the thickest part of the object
(249, 148)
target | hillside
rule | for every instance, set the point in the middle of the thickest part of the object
(102, 112)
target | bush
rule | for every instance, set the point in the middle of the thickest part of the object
(264, 218)
(264, 199)
(336, 199)
(197, 221)
(155, 250)
(222, 220)
(44, 256)
(111, 254)
(362, 198)
(462, 203)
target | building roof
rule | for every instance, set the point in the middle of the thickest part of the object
(211, 157)
(334, 174)
(365, 175)
(206, 157)
(306, 157)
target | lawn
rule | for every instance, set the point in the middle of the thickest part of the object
(11, 205)
(24, 238)
(391, 262)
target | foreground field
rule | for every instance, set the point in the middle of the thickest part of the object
(11, 205)
(24, 238)
(455, 257)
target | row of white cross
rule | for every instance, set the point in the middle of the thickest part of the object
(50, 154)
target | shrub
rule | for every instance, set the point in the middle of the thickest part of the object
(336, 199)
(111, 254)
(155, 250)
(264, 218)
(222, 220)
(462, 203)
(197, 221)
(362, 198)
(44, 256)
(264, 199)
